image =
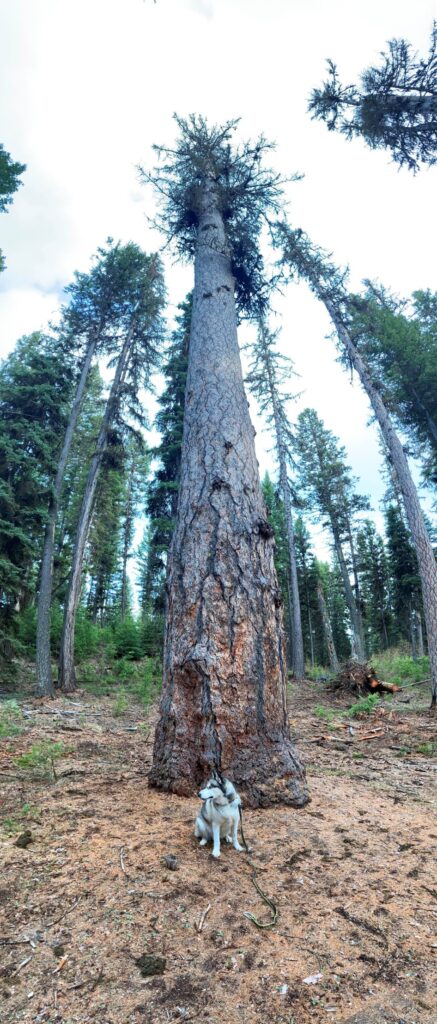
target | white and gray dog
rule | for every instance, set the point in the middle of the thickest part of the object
(219, 816)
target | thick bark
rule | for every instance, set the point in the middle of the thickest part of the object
(224, 701)
(413, 511)
(67, 675)
(327, 629)
(43, 658)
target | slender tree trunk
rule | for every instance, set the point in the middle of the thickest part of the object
(413, 511)
(67, 675)
(43, 658)
(357, 596)
(327, 629)
(298, 661)
(357, 646)
(413, 632)
(224, 696)
(127, 540)
(420, 650)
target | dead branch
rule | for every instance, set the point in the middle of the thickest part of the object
(23, 964)
(373, 928)
(201, 921)
(64, 914)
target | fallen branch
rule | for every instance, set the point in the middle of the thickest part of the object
(23, 964)
(122, 862)
(373, 928)
(64, 914)
(200, 923)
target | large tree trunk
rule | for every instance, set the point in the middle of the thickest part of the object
(413, 511)
(67, 675)
(327, 629)
(224, 698)
(43, 658)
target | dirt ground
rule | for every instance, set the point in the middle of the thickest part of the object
(353, 875)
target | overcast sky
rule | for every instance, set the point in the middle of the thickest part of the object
(86, 88)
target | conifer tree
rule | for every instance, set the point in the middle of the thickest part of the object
(268, 371)
(375, 587)
(90, 325)
(404, 583)
(394, 108)
(162, 497)
(223, 702)
(141, 321)
(326, 482)
(10, 172)
(401, 351)
(328, 284)
(35, 389)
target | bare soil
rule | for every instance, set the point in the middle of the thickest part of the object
(87, 904)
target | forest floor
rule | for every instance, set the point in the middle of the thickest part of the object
(353, 875)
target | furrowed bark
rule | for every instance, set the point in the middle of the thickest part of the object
(413, 511)
(43, 658)
(66, 674)
(327, 629)
(223, 703)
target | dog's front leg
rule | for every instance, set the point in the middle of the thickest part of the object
(235, 842)
(216, 839)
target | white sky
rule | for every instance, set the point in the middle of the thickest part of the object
(86, 88)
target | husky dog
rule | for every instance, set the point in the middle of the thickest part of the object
(219, 815)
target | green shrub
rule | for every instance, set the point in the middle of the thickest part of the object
(86, 637)
(150, 685)
(364, 706)
(396, 667)
(127, 639)
(152, 636)
(11, 718)
(316, 671)
(326, 713)
(43, 756)
(26, 629)
(120, 705)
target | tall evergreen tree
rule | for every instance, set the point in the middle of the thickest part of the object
(10, 172)
(141, 322)
(223, 702)
(328, 284)
(268, 371)
(404, 582)
(35, 389)
(401, 351)
(375, 587)
(394, 108)
(326, 482)
(162, 498)
(90, 325)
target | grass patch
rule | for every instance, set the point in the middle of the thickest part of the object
(396, 667)
(11, 719)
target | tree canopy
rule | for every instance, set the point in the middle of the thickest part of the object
(394, 107)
